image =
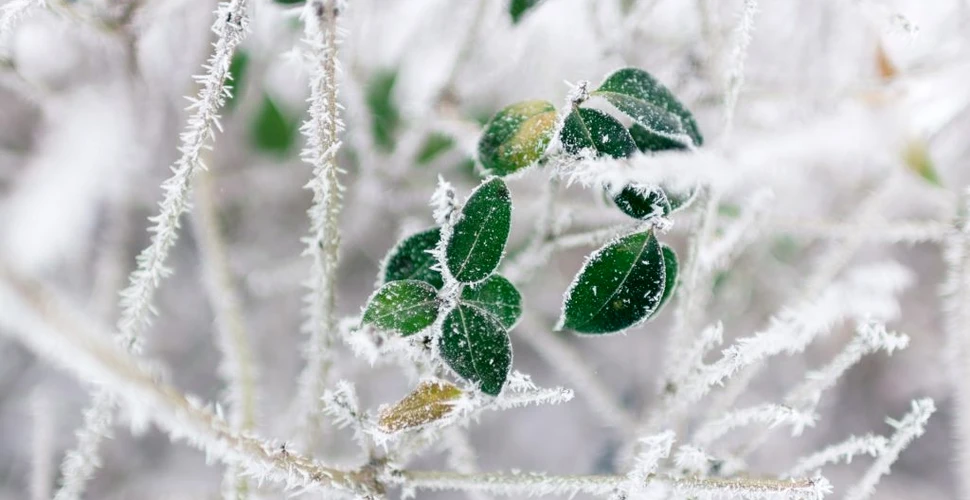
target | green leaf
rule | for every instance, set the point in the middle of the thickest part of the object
(478, 239)
(385, 116)
(642, 202)
(516, 137)
(518, 8)
(649, 142)
(434, 146)
(476, 346)
(587, 128)
(638, 201)
(496, 296)
(671, 271)
(620, 286)
(917, 158)
(273, 132)
(411, 259)
(237, 75)
(640, 96)
(406, 306)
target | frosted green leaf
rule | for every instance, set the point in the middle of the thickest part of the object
(649, 142)
(640, 96)
(619, 286)
(406, 306)
(638, 201)
(273, 131)
(497, 296)
(476, 346)
(642, 202)
(434, 146)
(518, 8)
(593, 129)
(478, 238)
(516, 137)
(385, 116)
(671, 271)
(411, 259)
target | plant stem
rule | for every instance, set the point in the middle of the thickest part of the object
(321, 131)
(237, 367)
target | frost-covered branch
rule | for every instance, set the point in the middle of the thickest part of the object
(344, 407)
(230, 27)
(322, 129)
(537, 484)
(237, 367)
(53, 329)
(11, 13)
(720, 253)
(911, 426)
(653, 449)
(956, 311)
(42, 452)
(883, 231)
(738, 56)
(82, 460)
(845, 451)
(693, 290)
(769, 414)
(869, 339)
(868, 291)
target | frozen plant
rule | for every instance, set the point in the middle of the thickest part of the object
(682, 282)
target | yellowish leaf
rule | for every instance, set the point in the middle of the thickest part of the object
(429, 402)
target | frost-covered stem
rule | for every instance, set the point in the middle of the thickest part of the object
(322, 129)
(343, 405)
(653, 449)
(693, 291)
(230, 26)
(909, 428)
(825, 270)
(46, 324)
(738, 55)
(845, 451)
(885, 231)
(538, 484)
(111, 264)
(869, 339)
(237, 367)
(136, 300)
(571, 365)
(81, 461)
(835, 258)
(956, 311)
(447, 91)
(42, 452)
(11, 13)
(769, 414)
(461, 456)
(723, 251)
(789, 332)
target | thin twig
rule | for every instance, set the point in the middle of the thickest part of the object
(321, 129)
(237, 367)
